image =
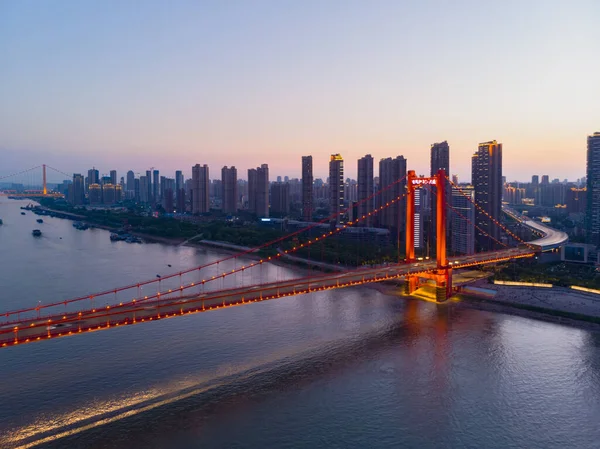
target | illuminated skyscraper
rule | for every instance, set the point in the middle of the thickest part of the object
(463, 231)
(593, 189)
(336, 186)
(486, 175)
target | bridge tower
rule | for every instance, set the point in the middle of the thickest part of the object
(45, 188)
(443, 274)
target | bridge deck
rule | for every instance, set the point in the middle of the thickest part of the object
(170, 305)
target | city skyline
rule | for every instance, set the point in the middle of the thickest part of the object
(190, 90)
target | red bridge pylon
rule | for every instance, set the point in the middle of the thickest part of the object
(443, 274)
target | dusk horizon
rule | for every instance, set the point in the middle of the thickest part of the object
(118, 86)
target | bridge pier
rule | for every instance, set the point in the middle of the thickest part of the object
(443, 283)
(411, 284)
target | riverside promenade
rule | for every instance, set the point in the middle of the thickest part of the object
(554, 300)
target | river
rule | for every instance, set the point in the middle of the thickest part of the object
(339, 369)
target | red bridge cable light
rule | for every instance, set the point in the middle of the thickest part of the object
(477, 227)
(496, 222)
(155, 297)
(241, 253)
(470, 222)
(148, 299)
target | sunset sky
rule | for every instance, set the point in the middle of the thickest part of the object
(168, 84)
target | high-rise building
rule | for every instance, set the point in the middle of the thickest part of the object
(167, 186)
(336, 186)
(463, 229)
(178, 181)
(252, 180)
(108, 193)
(181, 201)
(200, 188)
(136, 190)
(440, 158)
(77, 190)
(535, 180)
(95, 194)
(144, 189)
(307, 188)
(163, 180)
(155, 186)
(365, 189)
(576, 199)
(258, 190)
(130, 183)
(280, 199)
(486, 175)
(168, 200)
(393, 217)
(229, 188)
(592, 219)
(113, 177)
(545, 179)
(93, 177)
(148, 186)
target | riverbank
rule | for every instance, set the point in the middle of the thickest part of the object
(556, 304)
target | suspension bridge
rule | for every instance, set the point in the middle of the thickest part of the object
(196, 290)
(30, 183)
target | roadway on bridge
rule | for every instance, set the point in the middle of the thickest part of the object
(175, 304)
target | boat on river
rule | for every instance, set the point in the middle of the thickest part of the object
(36, 233)
(39, 220)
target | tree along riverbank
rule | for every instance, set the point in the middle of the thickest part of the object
(334, 250)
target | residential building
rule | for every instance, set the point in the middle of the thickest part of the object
(463, 225)
(593, 190)
(77, 190)
(229, 186)
(307, 188)
(365, 189)
(280, 199)
(336, 187)
(392, 185)
(200, 189)
(486, 175)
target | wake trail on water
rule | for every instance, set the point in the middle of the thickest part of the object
(303, 361)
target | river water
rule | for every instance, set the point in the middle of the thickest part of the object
(345, 368)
